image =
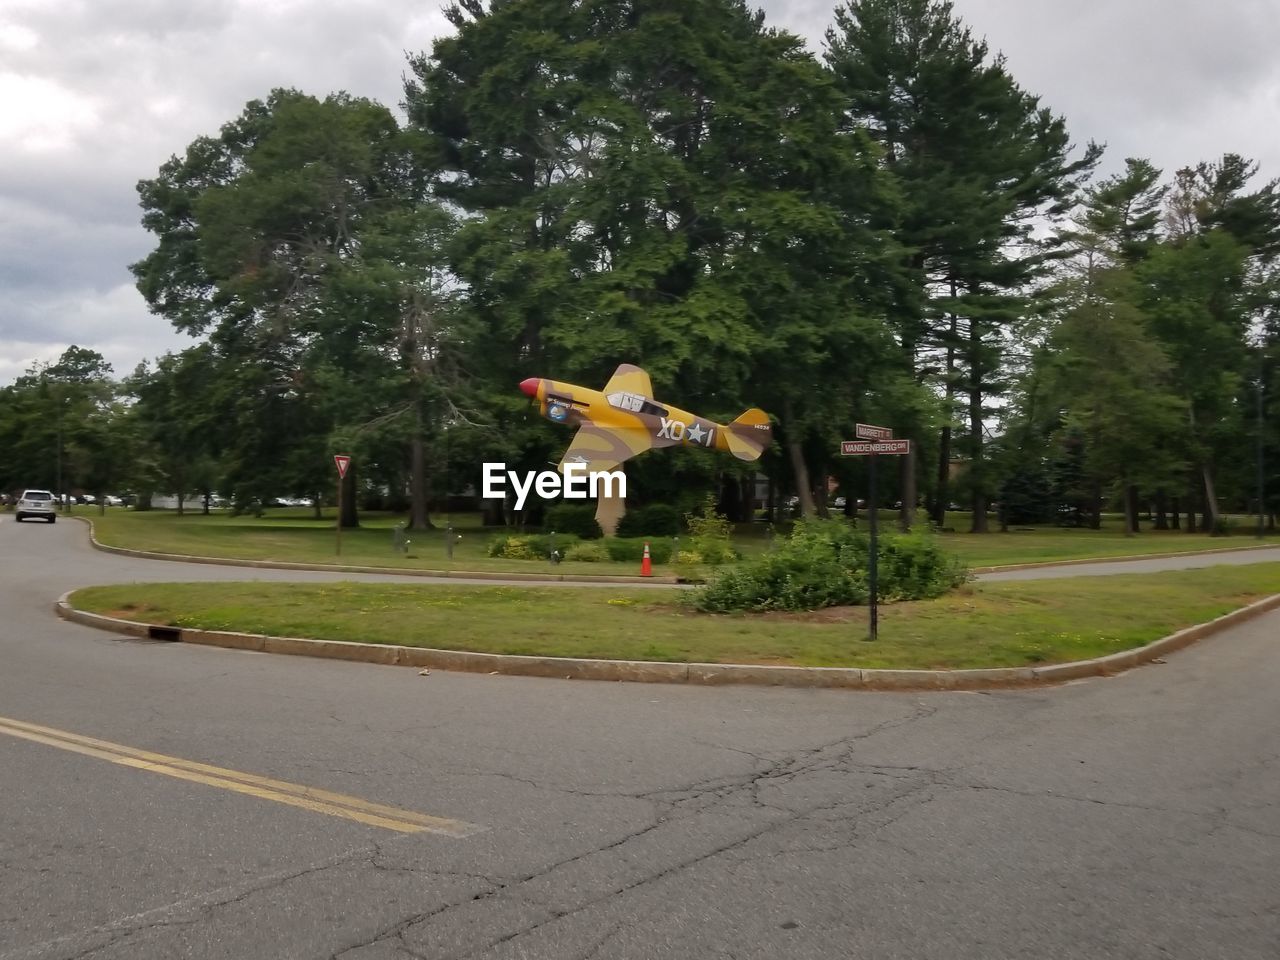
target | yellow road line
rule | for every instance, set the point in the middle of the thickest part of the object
(297, 795)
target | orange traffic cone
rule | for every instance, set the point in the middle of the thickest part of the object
(646, 565)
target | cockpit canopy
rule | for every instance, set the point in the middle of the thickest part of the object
(634, 403)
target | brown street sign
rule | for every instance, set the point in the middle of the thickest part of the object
(863, 448)
(865, 431)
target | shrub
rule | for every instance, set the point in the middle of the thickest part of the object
(529, 546)
(576, 519)
(709, 535)
(587, 553)
(631, 549)
(823, 563)
(654, 520)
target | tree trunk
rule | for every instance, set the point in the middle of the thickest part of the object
(1193, 500)
(820, 493)
(204, 507)
(979, 524)
(1175, 511)
(350, 514)
(801, 472)
(1095, 508)
(943, 494)
(1162, 511)
(1211, 514)
(418, 518)
(493, 513)
(316, 513)
(804, 489)
(907, 480)
(1130, 510)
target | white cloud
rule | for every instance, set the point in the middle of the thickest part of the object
(115, 323)
(96, 94)
(39, 115)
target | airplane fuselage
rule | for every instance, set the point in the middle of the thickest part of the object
(666, 425)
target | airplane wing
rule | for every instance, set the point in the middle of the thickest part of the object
(603, 449)
(629, 379)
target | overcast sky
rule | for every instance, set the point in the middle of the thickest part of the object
(96, 94)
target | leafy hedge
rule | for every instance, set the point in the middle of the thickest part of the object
(823, 563)
(537, 546)
(578, 519)
(654, 520)
(631, 549)
(529, 546)
(589, 551)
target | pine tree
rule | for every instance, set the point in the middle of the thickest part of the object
(978, 163)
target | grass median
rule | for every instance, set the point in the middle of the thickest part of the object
(293, 535)
(983, 625)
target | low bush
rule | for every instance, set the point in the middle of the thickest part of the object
(709, 535)
(631, 549)
(577, 519)
(529, 546)
(823, 563)
(654, 520)
(587, 552)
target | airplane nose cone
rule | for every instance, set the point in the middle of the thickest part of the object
(529, 387)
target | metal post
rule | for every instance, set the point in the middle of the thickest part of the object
(338, 524)
(872, 570)
(1262, 483)
(448, 539)
(58, 485)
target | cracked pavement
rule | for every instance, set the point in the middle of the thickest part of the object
(1135, 817)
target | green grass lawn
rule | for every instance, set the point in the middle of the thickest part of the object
(987, 625)
(1047, 544)
(293, 535)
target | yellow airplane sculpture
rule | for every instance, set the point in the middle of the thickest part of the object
(623, 419)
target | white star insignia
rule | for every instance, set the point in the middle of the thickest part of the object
(696, 433)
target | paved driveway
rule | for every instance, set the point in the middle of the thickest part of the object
(153, 805)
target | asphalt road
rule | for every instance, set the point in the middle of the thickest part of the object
(1132, 817)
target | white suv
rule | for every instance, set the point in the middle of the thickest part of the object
(36, 503)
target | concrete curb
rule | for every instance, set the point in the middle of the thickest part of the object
(394, 571)
(641, 671)
(1048, 564)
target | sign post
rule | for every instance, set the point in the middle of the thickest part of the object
(873, 441)
(341, 461)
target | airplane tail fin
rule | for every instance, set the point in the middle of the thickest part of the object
(749, 435)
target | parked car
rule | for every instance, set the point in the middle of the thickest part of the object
(36, 503)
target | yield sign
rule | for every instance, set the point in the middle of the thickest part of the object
(343, 461)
